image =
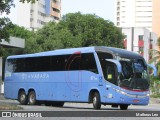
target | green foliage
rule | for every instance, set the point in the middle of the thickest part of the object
(155, 86)
(5, 6)
(21, 32)
(91, 30)
(32, 1)
(17, 31)
(155, 95)
(74, 30)
(156, 57)
(158, 41)
(5, 23)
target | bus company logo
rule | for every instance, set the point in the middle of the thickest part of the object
(6, 114)
(35, 76)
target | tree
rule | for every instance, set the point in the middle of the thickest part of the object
(159, 41)
(156, 56)
(91, 30)
(75, 30)
(32, 1)
(21, 32)
(50, 38)
(5, 6)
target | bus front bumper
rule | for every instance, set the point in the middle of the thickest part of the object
(134, 98)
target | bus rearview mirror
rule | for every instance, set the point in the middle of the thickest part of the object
(117, 63)
(154, 69)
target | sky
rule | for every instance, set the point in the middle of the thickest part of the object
(102, 8)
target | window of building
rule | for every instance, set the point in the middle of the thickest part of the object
(118, 18)
(41, 14)
(41, 5)
(40, 22)
(31, 19)
(56, 10)
(56, 2)
(118, 3)
(56, 18)
(118, 23)
(118, 13)
(140, 37)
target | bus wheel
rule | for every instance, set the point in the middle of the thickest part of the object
(22, 98)
(32, 98)
(96, 101)
(124, 107)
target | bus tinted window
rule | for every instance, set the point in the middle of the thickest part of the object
(58, 63)
(84, 61)
(88, 63)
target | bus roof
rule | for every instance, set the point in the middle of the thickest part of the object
(115, 51)
(119, 52)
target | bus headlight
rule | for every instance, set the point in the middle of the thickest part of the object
(131, 95)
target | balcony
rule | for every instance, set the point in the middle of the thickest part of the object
(54, 5)
(141, 43)
(56, 14)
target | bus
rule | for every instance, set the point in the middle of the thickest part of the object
(99, 75)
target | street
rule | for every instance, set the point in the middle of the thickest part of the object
(81, 107)
(73, 108)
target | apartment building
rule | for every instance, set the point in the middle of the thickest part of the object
(33, 16)
(133, 13)
(156, 17)
(140, 40)
(138, 13)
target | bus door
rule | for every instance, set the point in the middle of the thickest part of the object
(111, 76)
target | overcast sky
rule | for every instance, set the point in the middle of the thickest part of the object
(102, 8)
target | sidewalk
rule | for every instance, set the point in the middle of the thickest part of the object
(154, 100)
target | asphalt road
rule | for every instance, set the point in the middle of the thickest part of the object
(84, 107)
(81, 107)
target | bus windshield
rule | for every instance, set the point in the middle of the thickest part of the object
(134, 74)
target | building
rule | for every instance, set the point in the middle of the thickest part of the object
(35, 15)
(156, 17)
(140, 40)
(138, 13)
(134, 13)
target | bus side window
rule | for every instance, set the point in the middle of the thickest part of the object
(111, 73)
(88, 62)
(10, 65)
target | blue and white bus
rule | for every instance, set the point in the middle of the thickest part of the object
(98, 75)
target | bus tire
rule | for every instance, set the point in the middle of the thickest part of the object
(22, 98)
(96, 101)
(124, 107)
(32, 98)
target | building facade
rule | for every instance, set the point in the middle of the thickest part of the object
(138, 13)
(139, 40)
(134, 13)
(35, 15)
(156, 17)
